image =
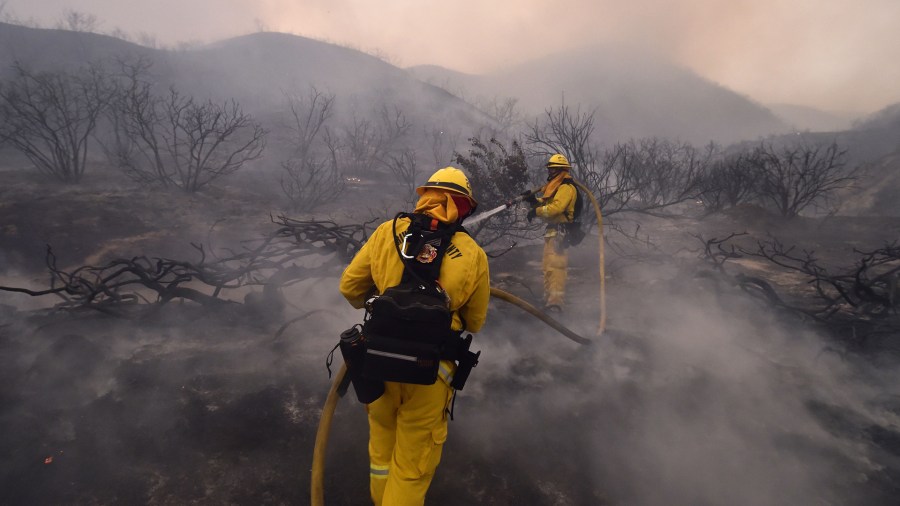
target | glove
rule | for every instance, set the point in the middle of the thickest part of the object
(531, 214)
(528, 196)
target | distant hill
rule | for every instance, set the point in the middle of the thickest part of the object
(255, 69)
(634, 95)
(804, 118)
(887, 118)
(259, 66)
(875, 140)
(873, 144)
(47, 49)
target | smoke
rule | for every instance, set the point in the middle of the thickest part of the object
(694, 395)
(691, 397)
(831, 56)
(183, 403)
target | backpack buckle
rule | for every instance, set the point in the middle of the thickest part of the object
(403, 247)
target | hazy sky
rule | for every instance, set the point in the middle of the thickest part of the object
(831, 54)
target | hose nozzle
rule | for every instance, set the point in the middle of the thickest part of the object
(527, 196)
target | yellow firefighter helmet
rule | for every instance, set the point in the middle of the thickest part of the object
(451, 179)
(558, 162)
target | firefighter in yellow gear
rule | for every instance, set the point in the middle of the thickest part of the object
(555, 205)
(408, 423)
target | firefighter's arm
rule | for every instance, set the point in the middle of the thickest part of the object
(356, 281)
(475, 309)
(560, 202)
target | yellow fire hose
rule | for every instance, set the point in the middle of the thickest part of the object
(600, 256)
(508, 297)
(317, 484)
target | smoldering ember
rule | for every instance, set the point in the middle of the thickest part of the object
(174, 222)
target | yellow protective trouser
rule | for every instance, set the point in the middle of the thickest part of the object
(555, 265)
(407, 430)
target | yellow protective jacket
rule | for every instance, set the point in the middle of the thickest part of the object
(559, 207)
(464, 274)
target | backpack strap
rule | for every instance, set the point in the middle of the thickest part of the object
(425, 239)
(422, 247)
(575, 208)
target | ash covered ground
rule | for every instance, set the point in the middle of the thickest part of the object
(696, 394)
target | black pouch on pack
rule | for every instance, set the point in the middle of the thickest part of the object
(353, 349)
(572, 234)
(467, 361)
(402, 361)
(406, 331)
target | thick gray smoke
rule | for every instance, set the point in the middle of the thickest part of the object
(690, 398)
(693, 396)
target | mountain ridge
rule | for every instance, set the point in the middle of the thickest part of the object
(633, 94)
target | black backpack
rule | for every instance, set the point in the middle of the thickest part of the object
(572, 232)
(407, 329)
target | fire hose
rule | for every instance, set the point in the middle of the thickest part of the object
(317, 478)
(600, 256)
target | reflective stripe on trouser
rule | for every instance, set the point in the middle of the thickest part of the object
(407, 430)
(554, 265)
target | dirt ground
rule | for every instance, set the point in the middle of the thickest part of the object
(694, 395)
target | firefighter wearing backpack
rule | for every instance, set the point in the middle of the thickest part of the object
(556, 206)
(408, 422)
